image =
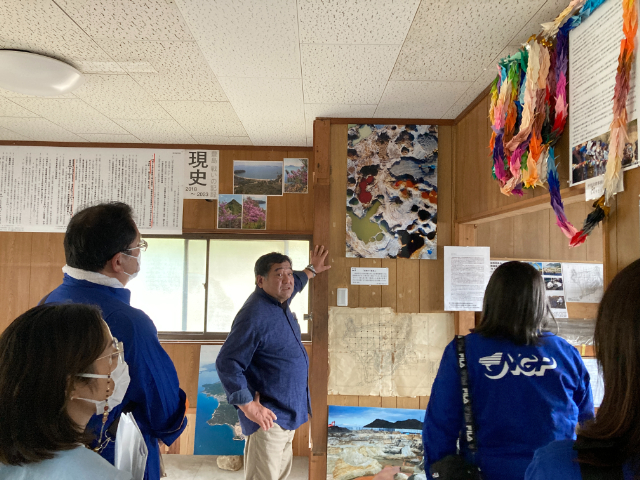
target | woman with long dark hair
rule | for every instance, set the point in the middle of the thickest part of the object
(528, 387)
(59, 366)
(609, 445)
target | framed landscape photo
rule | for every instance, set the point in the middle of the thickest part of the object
(258, 178)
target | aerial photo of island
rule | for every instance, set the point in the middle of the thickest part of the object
(257, 178)
(218, 429)
(361, 441)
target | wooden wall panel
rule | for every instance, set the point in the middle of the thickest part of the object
(288, 213)
(47, 260)
(15, 275)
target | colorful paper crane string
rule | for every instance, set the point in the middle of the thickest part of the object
(529, 112)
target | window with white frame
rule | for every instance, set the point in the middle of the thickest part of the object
(197, 285)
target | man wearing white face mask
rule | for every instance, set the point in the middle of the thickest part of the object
(103, 250)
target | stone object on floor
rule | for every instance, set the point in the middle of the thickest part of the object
(230, 462)
(400, 476)
(345, 471)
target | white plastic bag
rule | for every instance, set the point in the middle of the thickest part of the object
(131, 451)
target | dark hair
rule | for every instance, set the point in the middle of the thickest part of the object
(515, 304)
(40, 354)
(617, 345)
(265, 262)
(95, 234)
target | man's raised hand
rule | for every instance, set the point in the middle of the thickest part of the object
(318, 256)
(255, 412)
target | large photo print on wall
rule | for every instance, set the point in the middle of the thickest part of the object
(392, 191)
(257, 178)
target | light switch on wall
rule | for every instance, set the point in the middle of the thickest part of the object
(343, 297)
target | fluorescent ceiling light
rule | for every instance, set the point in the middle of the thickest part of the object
(34, 74)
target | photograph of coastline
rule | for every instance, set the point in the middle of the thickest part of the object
(258, 178)
(361, 441)
(254, 212)
(229, 211)
(295, 175)
(218, 429)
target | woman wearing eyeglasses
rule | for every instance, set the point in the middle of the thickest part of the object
(59, 366)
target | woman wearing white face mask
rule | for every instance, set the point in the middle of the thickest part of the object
(59, 366)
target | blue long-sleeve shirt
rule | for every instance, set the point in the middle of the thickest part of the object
(154, 387)
(523, 397)
(264, 353)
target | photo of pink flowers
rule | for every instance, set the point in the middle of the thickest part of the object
(254, 212)
(229, 211)
(295, 175)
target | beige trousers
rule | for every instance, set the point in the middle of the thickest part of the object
(268, 455)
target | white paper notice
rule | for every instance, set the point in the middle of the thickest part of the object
(466, 274)
(369, 276)
(594, 47)
(597, 382)
(594, 187)
(201, 174)
(495, 264)
(42, 187)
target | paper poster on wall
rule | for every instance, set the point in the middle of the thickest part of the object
(257, 178)
(554, 288)
(229, 211)
(296, 172)
(254, 212)
(217, 429)
(466, 273)
(584, 282)
(392, 191)
(42, 187)
(594, 47)
(201, 174)
(362, 441)
(596, 380)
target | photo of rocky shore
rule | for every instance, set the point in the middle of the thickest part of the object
(385, 437)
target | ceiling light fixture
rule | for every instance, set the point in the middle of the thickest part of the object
(34, 74)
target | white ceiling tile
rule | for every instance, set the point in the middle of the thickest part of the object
(157, 131)
(547, 13)
(265, 99)
(109, 138)
(355, 74)
(90, 66)
(334, 110)
(181, 86)
(39, 129)
(9, 108)
(206, 118)
(119, 96)
(128, 19)
(9, 135)
(277, 133)
(10, 94)
(71, 114)
(453, 40)
(221, 140)
(416, 99)
(138, 67)
(373, 22)
(246, 38)
(40, 26)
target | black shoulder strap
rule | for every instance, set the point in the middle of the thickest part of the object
(469, 434)
(591, 472)
(44, 299)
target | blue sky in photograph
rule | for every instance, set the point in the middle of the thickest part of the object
(361, 416)
(227, 197)
(245, 164)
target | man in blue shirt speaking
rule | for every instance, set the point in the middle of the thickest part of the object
(264, 367)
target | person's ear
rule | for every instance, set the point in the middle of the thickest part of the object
(116, 263)
(259, 280)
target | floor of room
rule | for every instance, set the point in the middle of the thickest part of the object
(204, 467)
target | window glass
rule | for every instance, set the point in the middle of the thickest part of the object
(231, 277)
(170, 285)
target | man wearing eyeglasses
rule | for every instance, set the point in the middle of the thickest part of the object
(103, 250)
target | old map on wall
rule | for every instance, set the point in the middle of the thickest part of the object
(392, 192)
(375, 351)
